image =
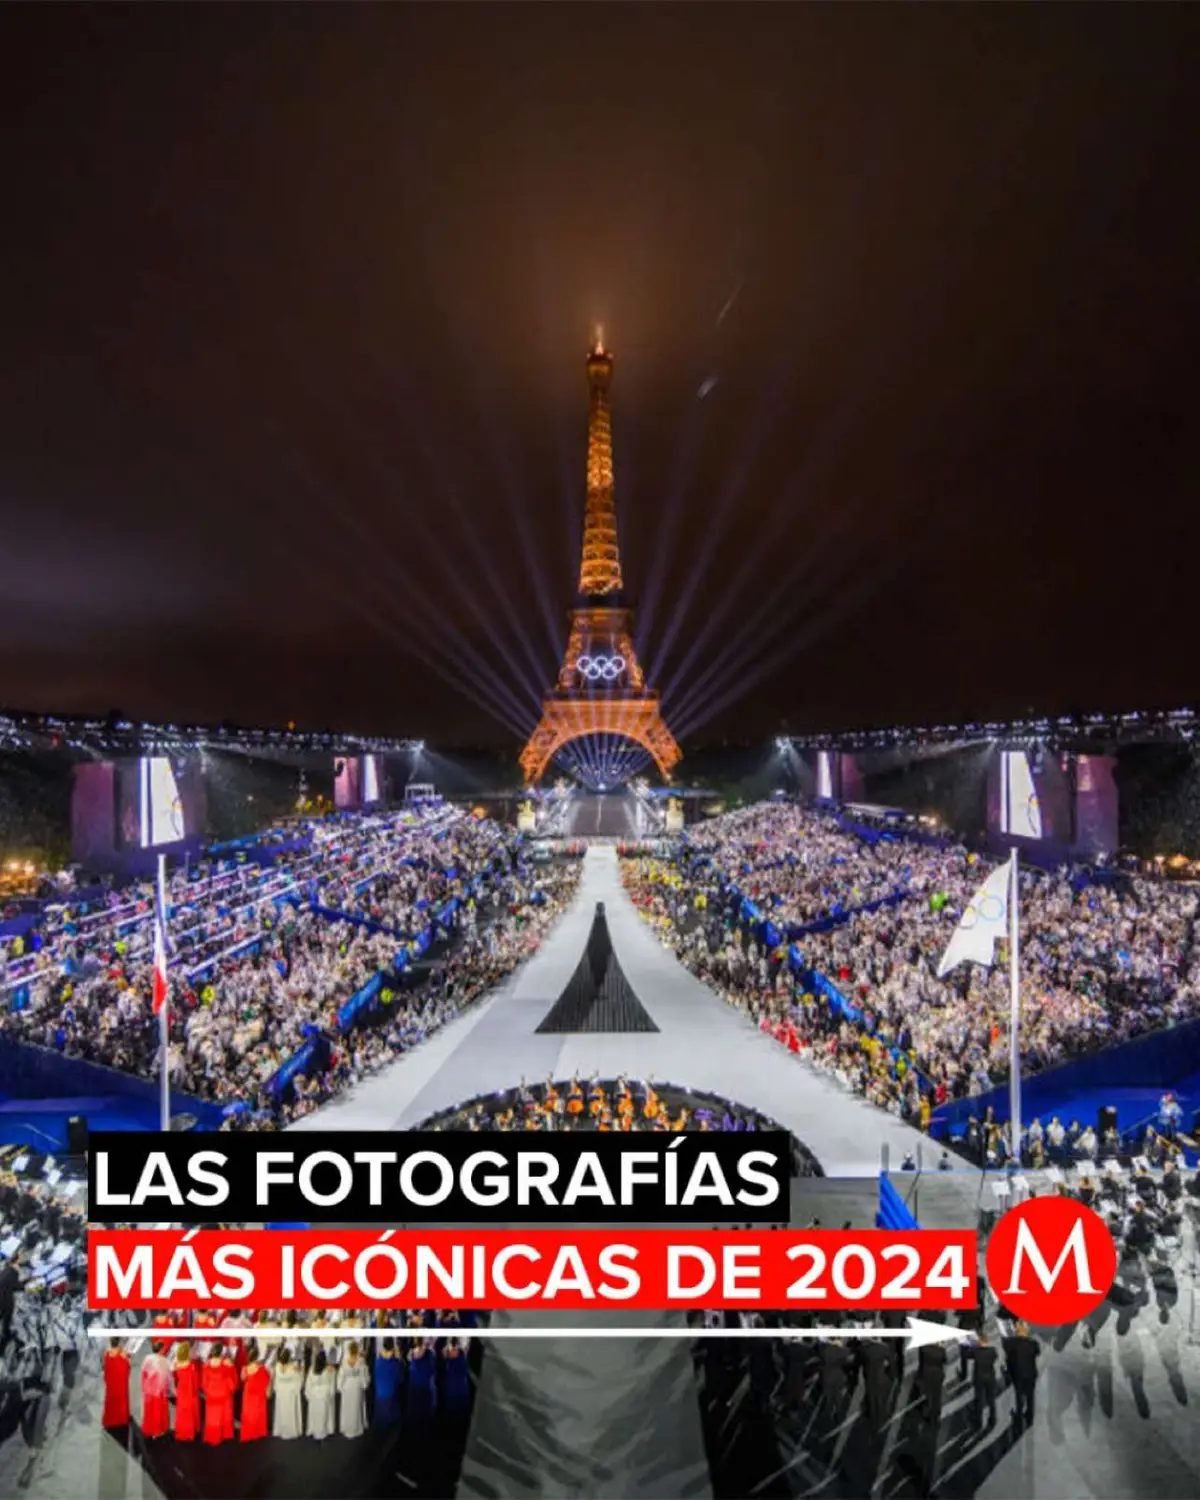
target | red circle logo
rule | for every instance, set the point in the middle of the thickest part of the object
(1051, 1261)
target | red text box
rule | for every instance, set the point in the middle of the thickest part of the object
(488, 1269)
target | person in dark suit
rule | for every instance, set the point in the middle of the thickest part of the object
(795, 1371)
(835, 1367)
(985, 1373)
(931, 1380)
(970, 1320)
(10, 1285)
(891, 1318)
(1021, 1356)
(876, 1360)
(1140, 1235)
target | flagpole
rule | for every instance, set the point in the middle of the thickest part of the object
(164, 1024)
(1014, 1027)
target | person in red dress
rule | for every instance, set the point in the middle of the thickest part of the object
(233, 1384)
(235, 1347)
(256, 1387)
(202, 1347)
(156, 1393)
(163, 1323)
(116, 1386)
(218, 1395)
(187, 1395)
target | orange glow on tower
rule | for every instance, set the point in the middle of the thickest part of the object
(601, 687)
(600, 570)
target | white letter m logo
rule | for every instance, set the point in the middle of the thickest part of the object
(1028, 1249)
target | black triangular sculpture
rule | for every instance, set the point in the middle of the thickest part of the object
(598, 996)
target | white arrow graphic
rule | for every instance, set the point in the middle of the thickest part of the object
(919, 1333)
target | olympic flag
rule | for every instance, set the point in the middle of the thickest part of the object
(992, 914)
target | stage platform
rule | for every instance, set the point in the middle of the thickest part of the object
(612, 815)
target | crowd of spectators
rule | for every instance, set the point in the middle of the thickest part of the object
(1099, 963)
(262, 958)
(496, 935)
(803, 865)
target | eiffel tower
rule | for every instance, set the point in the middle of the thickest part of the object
(601, 688)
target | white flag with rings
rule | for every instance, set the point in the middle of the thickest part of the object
(985, 920)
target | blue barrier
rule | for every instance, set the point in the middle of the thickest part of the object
(203, 970)
(773, 935)
(1156, 1061)
(873, 836)
(820, 985)
(266, 854)
(248, 843)
(841, 915)
(19, 926)
(333, 914)
(40, 1073)
(359, 1002)
(310, 1058)
(893, 1212)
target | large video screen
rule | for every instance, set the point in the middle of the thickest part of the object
(371, 780)
(1020, 810)
(824, 774)
(161, 810)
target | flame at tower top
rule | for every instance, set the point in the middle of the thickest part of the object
(600, 569)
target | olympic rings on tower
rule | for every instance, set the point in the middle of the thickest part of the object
(600, 668)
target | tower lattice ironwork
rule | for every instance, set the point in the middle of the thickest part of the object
(601, 688)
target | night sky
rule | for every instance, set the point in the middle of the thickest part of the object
(294, 303)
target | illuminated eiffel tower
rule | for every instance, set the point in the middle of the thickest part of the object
(601, 687)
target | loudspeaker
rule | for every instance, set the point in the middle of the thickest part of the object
(77, 1136)
(1106, 1119)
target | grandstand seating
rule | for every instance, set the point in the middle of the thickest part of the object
(785, 882)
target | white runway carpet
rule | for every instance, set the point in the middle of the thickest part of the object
(701, 1043)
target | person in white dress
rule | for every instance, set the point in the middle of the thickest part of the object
(353, 1379)
(288, 1384)
(320, 1388)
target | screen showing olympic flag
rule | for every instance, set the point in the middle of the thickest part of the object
(161, 810)
(371, 780)
(1020, 810)
(824, 774)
